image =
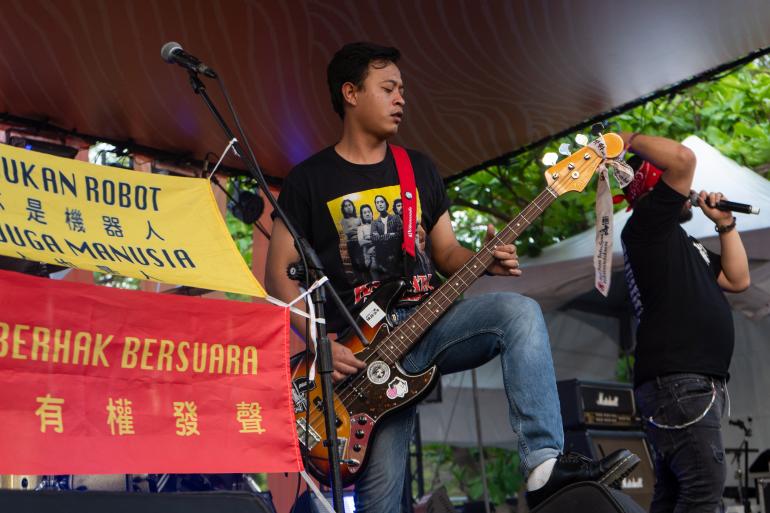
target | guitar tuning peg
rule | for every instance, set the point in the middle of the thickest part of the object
(597, 128)
(581, 139)
(564, 149)
(550, 158)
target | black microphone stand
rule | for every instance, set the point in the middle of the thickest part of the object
(315, 272)
(743, 451)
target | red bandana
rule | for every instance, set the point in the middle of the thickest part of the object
(644, 180)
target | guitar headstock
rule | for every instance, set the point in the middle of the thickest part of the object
(574, 172)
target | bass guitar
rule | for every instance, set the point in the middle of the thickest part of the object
(362, 400)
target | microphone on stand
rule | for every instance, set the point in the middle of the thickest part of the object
(730, 206)
(173, 53)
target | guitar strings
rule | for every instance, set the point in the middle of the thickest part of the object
(349, 383)
(541, 202)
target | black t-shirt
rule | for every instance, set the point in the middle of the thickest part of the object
(350, 215)
(685, 322)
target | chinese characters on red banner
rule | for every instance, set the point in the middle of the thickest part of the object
(96, 380)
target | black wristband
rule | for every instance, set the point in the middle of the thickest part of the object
(725, 228)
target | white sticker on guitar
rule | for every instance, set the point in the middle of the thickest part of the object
(378, 372)
(372, 314)
(397, 388)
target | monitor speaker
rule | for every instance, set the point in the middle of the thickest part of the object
(599, 443)
(588, 497)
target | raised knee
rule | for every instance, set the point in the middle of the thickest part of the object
(516, 305)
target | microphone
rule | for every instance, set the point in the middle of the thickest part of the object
(731, 206)
(173, 53)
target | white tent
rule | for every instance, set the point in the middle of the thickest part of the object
(585, 345)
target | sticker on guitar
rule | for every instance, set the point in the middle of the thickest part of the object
(397, 388)
(378, 372)
(372, 314)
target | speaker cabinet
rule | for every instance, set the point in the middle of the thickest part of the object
(588, 497)
(599, 443)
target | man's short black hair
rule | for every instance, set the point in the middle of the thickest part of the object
(351, 64)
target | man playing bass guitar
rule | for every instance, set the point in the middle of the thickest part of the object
(343, 200)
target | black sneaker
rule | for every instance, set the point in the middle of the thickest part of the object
(573, 467)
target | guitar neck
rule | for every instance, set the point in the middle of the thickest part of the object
(405, 335)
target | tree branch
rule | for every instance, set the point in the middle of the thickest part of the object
(484, 209)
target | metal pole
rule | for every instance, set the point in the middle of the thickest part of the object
(480, 441)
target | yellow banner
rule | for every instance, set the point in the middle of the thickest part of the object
(99, 218)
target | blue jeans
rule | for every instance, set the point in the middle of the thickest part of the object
(690, 467)
(472, 332)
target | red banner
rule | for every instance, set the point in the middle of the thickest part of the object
(96, 380)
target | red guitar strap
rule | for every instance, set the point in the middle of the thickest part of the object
(408, 197)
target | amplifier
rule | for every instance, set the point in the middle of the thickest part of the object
(598, 404)
(597, 444)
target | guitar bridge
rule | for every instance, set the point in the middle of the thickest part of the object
(312, 435)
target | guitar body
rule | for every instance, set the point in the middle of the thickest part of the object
(362, 400)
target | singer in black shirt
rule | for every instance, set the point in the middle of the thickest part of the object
(685, 329)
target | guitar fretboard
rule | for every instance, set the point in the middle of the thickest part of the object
(401, 339)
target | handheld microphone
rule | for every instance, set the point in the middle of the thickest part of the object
(731, 206)
(173, 53)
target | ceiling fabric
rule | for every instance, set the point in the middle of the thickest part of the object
(482, 78)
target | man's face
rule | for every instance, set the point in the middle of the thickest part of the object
(398, 208)
(380, 101)
(366, 214)
(381, 206)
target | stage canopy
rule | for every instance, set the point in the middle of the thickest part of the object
(483, 79)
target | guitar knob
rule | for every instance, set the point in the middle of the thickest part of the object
(360, 433)
(362, 420)
(357, 447)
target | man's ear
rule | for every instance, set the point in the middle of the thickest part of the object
(349, 93)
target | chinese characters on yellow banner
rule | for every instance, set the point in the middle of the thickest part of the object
(75, 214)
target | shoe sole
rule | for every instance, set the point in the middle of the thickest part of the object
(620, 470)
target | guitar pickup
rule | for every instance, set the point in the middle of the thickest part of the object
(312, 435)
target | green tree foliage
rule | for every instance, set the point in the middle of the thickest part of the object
(731, 112)
(458, 469)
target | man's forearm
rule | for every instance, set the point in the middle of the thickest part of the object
(735, 263)
(676, 160)
(454, 260)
